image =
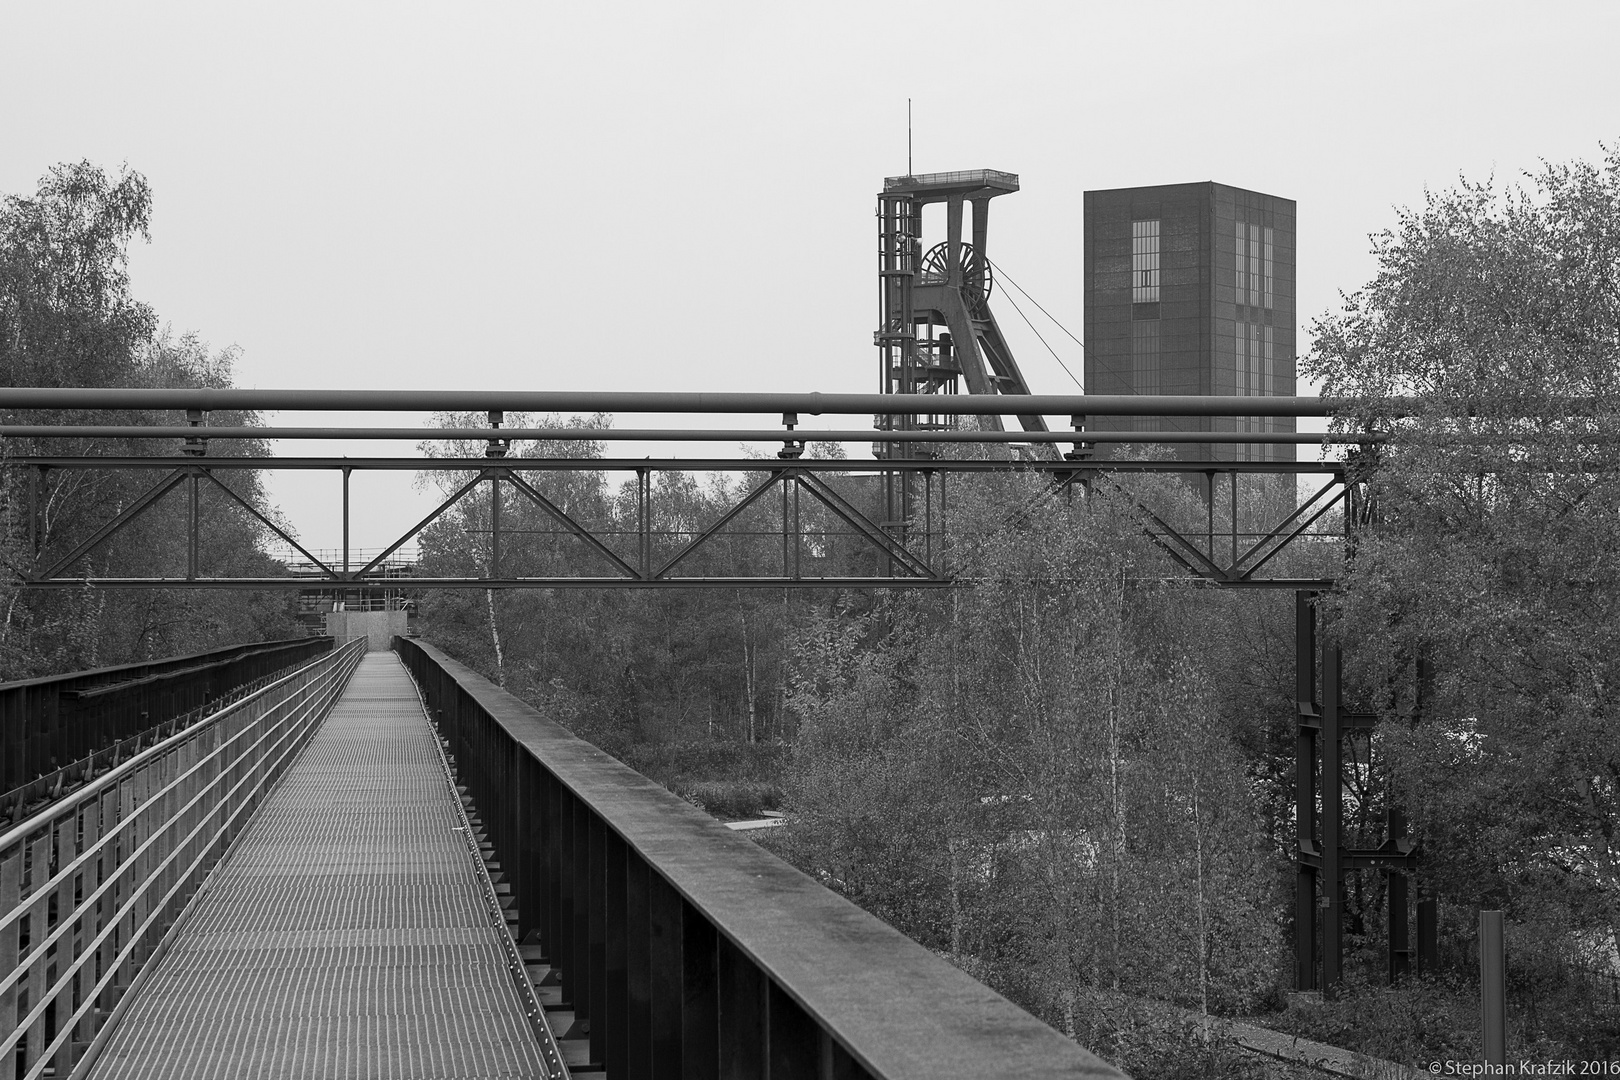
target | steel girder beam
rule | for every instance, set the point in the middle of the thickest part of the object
(797, 478)
(912, 570)
(510, 434)
(150, 462)
(423, 584)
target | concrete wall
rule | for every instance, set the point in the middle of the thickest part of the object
(377, 627)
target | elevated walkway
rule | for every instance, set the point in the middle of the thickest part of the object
(348, 933)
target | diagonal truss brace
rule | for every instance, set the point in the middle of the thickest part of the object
(266, 522)
(127, 515)
(707, 534)
(828, 497)
(1193, 559)
(420, 525)
(905, 567)
(1281, 536)
(562, 517)
(859, 522)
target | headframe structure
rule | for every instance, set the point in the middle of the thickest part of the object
(935, 329)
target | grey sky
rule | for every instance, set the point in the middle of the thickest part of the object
(667, 196)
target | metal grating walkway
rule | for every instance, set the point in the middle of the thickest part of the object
(346, 934)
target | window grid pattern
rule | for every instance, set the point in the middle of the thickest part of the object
(1255, 348)
(1255, 265)
(1144, 262)
(1145, 356)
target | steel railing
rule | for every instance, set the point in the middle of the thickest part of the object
(970, 176)
(688, 950)
(90, 885)
(48, 723)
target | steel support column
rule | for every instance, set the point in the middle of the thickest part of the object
(346, 472)
(1308, 716)
(1331, 875)
(193, 482)
(494, 525)
(1397, 898)
(644, 521)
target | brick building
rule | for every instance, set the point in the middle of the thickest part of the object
(1189, 289)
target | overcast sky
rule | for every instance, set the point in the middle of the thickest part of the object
(680, 196)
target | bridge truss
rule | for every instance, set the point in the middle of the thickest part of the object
(800, 495)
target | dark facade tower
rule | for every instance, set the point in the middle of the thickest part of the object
(1189, 289)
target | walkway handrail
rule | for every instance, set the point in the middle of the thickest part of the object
(682, 941)
(57, 720)
(90, 885)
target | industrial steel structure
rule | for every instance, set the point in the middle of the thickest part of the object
(905, 553)
(1324, 725)
(935, 328)
(658, 935)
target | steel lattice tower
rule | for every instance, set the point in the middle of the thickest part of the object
(935, 328)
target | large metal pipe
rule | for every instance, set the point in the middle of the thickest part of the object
(133, 431)
(666, 464)
(566, 401)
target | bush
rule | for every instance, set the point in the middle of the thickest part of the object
(732, 798)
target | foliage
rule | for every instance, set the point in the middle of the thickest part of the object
(67, 319)
(1488, 348)
(1032, 774)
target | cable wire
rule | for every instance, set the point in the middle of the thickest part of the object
(1049, 348)
(1002, 273)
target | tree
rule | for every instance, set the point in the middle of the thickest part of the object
(67, 319)
(1033, 774)
(1487, 349)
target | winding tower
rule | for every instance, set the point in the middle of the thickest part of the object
(936, 332)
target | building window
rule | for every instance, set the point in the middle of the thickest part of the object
(1269, 278)
(1144, 262)
(1255, 265)
(1255, 368)
(1255, 360)
(1268, 369)
(1145, 356)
